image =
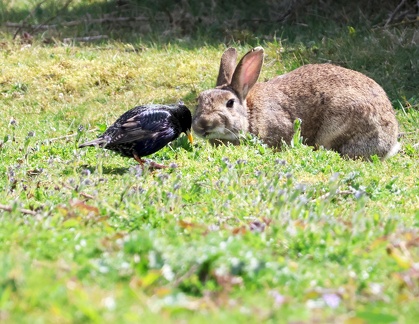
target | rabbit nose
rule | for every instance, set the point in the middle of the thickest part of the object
(197, 128)
(200, 125)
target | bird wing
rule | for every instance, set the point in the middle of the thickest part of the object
(144, 126)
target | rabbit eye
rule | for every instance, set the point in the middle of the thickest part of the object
(230, 103)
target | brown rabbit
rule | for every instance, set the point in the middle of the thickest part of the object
(340, 109)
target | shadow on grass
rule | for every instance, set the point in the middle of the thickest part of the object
(107, 169)
(117, 170)
(205, 22)
(307, 31)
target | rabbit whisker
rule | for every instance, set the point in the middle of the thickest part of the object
(233, 133)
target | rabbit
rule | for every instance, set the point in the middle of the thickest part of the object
(340, 109)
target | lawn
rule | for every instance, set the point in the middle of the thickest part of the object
(225, 234)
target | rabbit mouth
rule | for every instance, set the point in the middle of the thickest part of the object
(220, 133)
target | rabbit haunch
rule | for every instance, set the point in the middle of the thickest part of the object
(340, 109)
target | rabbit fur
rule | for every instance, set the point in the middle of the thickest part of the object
(340, 109)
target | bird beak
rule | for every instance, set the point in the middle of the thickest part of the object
(190, 138)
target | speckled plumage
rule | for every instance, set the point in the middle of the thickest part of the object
(145, 130)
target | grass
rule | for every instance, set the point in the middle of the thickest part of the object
(227, 234)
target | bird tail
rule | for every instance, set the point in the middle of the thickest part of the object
(96, 142)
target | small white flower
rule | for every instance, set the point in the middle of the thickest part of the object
(109, 302)
(167, 272)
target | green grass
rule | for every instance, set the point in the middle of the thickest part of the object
(227, 234)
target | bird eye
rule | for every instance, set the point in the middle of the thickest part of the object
(230, 103)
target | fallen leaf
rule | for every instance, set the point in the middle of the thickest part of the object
(82, 206)
(403, 261)
(187, 225)
(239, 230)
(354, 320)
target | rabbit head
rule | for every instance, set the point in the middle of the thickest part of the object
(221, 114)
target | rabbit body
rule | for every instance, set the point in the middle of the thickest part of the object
(340, 109)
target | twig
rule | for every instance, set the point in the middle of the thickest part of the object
(22, 210)
(85, 39)
(83, 194)
(53, 17)
(400, 23)
(403, 134)
(27, 17)
(390, 19)
(83, 21)
(67, 136)
(186, 275)
(338, 192)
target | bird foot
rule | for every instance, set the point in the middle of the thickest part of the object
(155, 166)
(152, 165)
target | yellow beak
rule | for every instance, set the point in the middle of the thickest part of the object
(190, 138)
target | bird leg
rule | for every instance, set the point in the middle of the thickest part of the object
(152, 165)
(138, 159)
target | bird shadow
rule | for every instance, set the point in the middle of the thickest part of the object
(149, 167)
(108, 170)
(117, 170)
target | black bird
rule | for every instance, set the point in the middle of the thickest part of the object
(144, 130)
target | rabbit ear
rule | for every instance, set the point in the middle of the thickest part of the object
(247, 72)
(227, 65)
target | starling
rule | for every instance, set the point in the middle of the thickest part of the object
(144, 130)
